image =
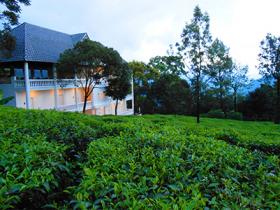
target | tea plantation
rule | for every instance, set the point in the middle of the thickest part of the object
(54, 160)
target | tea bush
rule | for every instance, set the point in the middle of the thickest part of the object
(217, 113)
(234, 115)
(62, 160)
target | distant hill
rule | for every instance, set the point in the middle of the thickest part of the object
(254, 84)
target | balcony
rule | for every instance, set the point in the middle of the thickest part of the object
(45, 84)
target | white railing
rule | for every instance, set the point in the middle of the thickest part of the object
(42, 83)
(19, 83)
(45, 83)
(50, 83)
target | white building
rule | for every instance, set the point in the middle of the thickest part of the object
(30, 76)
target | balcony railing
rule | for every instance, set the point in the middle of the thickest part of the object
(50, 83)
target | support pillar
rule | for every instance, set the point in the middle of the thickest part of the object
(76, 98)
(92, 100)
(27, 85)
(55, 88)
(132, 93)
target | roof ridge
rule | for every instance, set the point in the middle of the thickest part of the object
(78, 34)
(45, 28)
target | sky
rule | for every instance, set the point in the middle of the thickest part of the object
(141, 29)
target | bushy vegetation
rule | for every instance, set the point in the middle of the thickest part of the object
(68, 160)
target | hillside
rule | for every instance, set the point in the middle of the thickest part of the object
(60, 160)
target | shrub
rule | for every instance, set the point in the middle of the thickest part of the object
(216, 113)
(172, 171)
(6, 100)
(68, 160)
(235, 115)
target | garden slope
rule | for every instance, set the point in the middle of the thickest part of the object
(60, 160)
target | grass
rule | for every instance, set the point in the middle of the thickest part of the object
(69, 160)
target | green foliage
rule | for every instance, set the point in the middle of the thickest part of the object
(119, 84)
(68, 160)
(171, 64)
(238, 79)
(234, 115)
(4, 101)
(196, 40)
(259, 104)
(12, 10)
(171, 95)
(143, 78)
(216, 113)
(269, 61)
(9, 17)
(92, 62)
(219, 71)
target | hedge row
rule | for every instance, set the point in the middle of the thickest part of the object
(61, 160)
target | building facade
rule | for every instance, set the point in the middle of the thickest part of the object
(30, 75)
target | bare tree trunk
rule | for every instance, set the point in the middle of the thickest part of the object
(198, 99)
(116, 107)
(221, 98)
(277, 110)
(235, 101)
(85, 104)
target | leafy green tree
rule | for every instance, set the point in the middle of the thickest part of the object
(196, 39)
(92, 63)
(9, 17)
(143, 78)
(238, 79)
(219, 71)
(170, 64)
(259, 104)
(171, 95)
(119, 84)
(269, 66)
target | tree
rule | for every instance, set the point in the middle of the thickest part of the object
(9, 17)
(259, 104)
(143, 78)
(196, 39)
(170, 64)
(119, 84)
(92, 62)
(269, 66)
(219, 71)
(171, 95)
(238, 79)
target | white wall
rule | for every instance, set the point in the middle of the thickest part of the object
(40, 99)
(44, 99)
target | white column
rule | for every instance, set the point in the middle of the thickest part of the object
(76, 98)
(27, 85)
(132, 92)
(55, 88)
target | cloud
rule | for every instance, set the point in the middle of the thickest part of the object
(143, 29)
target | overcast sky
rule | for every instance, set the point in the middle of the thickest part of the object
(141, 29)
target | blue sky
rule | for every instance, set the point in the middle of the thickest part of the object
(142, 29)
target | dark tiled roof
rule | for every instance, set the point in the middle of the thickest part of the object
(34, 43)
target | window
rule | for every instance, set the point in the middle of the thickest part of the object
(5, 75)
(45, 74)
(19, 73)
(37, 74)
(129, 104)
